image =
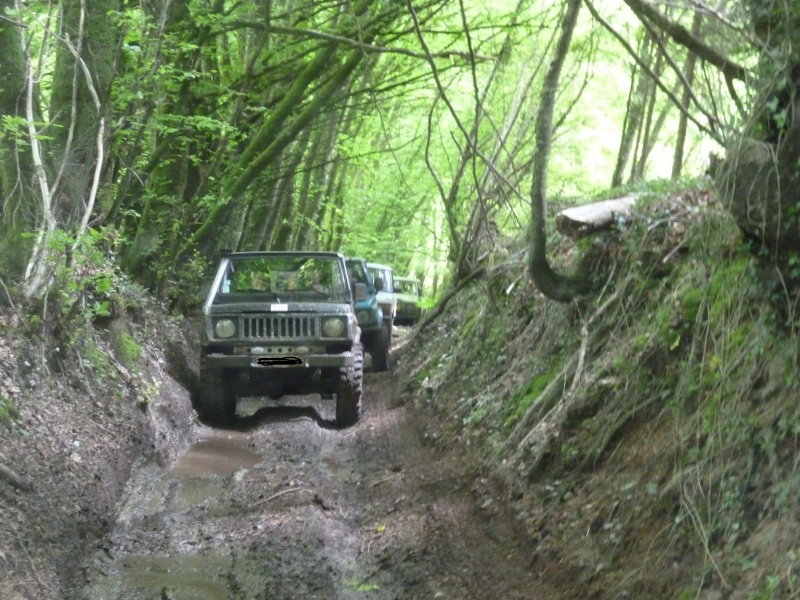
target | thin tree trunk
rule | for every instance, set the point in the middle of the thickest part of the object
(689, 71)
(634, 116)
(648, 129)
(628, 133)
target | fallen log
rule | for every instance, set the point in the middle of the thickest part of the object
(579, 221)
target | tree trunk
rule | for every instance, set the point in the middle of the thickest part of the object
(258, 221)
(19, 209)
(688, 72)
(285, 123)
(553, 285)
(287, 197)
(79, 99)
(634, 113)
(648, 131)
(318, 168)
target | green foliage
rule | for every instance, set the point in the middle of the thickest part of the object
(362, 586)
(149, 394)
(87, 280)
(9, 413)
(526, 394)
(183, 283)
(124, 346)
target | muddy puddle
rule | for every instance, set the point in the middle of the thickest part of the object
(199, 483)
(221, 453)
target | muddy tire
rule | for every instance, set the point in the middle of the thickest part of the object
(380, 351)
(216, 401)
(348, 394)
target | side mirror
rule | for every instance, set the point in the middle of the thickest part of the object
(359, 291)
(378, 283)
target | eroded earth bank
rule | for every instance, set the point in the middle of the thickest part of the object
(287, 506)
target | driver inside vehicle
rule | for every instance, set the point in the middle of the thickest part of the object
(259, 281)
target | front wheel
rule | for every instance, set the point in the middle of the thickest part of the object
(350, 388)
(217, 398)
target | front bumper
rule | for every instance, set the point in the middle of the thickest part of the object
(271, 361)
(409, 312)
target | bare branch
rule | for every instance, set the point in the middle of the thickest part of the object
(36, 271)
(681, 35)
(100, 135)
(344, 40)
(686, 85)
(656, 79)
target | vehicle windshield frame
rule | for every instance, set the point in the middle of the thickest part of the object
(283, 278)
(406, 285)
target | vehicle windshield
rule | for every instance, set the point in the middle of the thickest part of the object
(385, 274)
(357, 274)
(284, 278)
(406, 286)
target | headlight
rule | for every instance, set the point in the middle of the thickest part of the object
(333, 327)
(225, 328)
(364, 317)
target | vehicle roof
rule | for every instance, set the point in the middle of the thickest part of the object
(256, 254)
(376, 265)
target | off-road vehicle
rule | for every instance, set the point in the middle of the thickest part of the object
(374, 334)
(408, 291)
(278, 323)
(387, 300)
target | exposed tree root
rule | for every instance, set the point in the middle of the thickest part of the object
(10, 477)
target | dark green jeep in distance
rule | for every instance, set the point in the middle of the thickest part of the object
(278, 323)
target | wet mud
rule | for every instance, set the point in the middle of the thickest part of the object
(286, 506)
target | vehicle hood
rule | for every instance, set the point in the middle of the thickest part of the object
(407, 298)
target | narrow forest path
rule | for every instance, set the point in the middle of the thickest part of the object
(287, 507)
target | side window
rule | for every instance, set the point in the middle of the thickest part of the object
(356, 272)
(226, 282)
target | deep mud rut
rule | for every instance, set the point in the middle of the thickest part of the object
(288, 507)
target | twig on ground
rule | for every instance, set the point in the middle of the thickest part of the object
(380, 481)
(665, 260)
(278, 495)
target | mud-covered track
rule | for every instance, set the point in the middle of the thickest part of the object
(287, 506)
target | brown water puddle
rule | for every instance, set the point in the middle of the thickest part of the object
(219, 454)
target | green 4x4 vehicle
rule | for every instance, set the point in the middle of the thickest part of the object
(374, 332)
(408, 291)
(278, 323)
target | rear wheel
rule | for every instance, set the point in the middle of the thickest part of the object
(217, 398)
(380, 350)
(349, 391)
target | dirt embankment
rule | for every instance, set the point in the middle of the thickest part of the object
(80, 424)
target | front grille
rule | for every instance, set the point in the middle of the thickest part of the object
(278, 327)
